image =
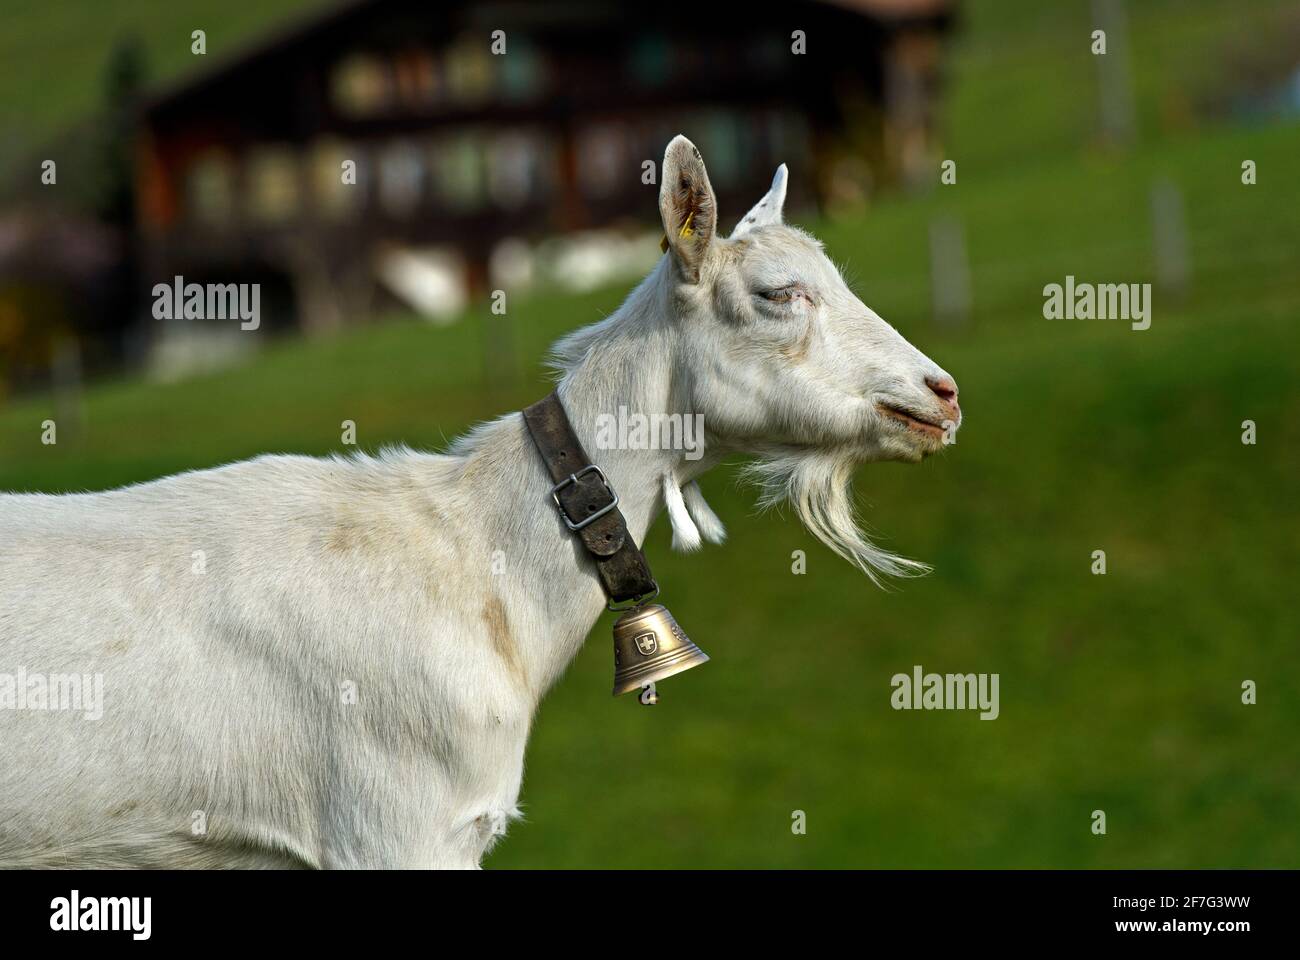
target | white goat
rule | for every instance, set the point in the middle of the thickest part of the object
(335, 662)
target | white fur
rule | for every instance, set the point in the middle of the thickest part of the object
(230, 611)
(686, 536)
(706, 521)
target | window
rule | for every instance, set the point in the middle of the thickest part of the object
(272, 184)
(402, 171)
(210, 188)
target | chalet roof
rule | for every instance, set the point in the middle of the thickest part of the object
(339, 19)
(298, 30)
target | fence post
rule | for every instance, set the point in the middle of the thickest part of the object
(949, 273)
(1169, 232)
(65, 375)
(1114, 84)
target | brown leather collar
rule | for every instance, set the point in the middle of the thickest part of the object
(588, 504)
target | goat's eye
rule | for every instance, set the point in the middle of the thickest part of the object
(781, 294)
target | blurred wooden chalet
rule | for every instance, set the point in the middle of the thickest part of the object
(239, 171)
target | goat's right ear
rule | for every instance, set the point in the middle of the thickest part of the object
(687, 205)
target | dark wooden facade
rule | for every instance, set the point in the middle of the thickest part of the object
(239, 170)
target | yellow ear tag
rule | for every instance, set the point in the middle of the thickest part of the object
(686, 231)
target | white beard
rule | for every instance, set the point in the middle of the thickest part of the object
(819, 486)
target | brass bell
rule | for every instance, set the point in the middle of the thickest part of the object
(649, 646)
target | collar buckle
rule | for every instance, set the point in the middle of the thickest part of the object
(572, 479)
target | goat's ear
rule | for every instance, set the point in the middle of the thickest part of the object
(687, 205)
(769, 209)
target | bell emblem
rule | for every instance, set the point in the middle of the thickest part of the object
(649, 646)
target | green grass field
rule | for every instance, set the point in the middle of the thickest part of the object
(1118, 692)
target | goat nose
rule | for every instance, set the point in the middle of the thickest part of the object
(945, 388)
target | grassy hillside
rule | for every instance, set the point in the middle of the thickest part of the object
(77, 37)
(1119, 692)
(1024, 81)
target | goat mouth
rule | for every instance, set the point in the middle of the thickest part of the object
(914, 422)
